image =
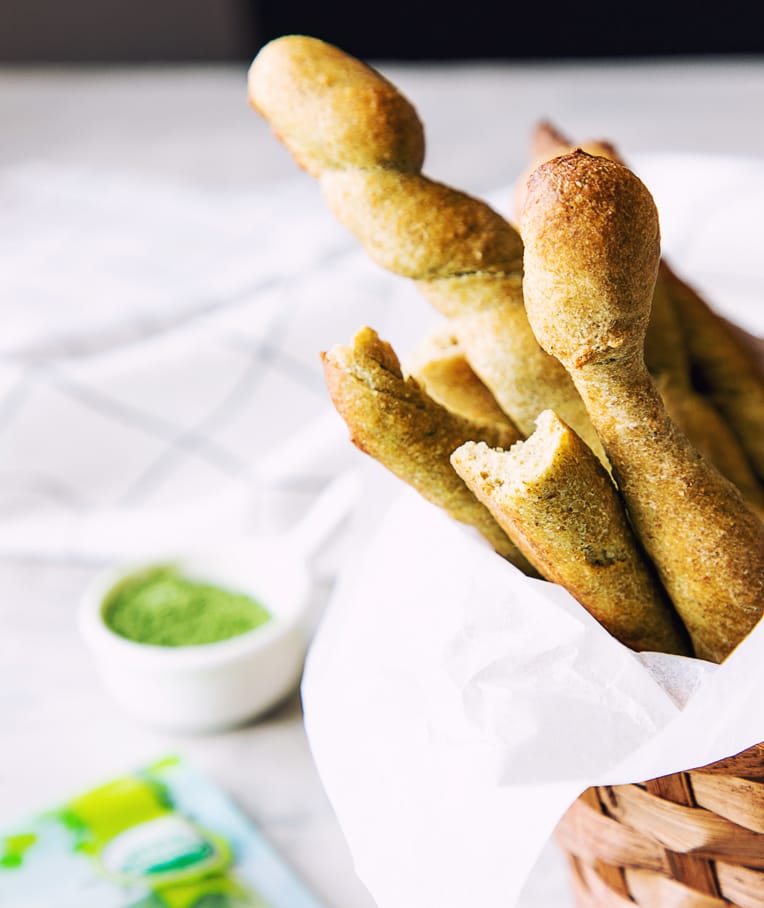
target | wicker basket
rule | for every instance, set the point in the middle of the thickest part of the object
(689, 840)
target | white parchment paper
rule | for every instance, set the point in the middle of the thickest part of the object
(456, 708)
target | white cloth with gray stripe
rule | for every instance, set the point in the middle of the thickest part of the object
(160, 379)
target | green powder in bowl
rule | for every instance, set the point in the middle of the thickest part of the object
(162, 607)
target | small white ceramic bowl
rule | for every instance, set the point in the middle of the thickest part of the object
(211, 686)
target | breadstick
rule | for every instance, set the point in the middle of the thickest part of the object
(348, 127)
(591, 256)
(440, 366)
(548, 142)
(668, 361)
(552, 495)
(667, 357)
(392, 419)
(730, 370)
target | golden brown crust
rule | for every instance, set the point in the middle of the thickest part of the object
(559, 504)
(707, 545)
(667, 356)
(393, 420)
(419, 228)
(351, 116)
(595, 236)
(665, 352)
(548, 142)
(465, 257)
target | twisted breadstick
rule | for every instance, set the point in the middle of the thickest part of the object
(349, 127)
(393, 420)
(668, 360)
(591, 257)
(559, 504)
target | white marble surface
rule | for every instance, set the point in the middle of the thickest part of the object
(59, 730)
(194, 123)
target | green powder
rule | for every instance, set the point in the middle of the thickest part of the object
(162, 607)
(13, 849)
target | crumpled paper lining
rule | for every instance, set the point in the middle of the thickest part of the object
(456, 708)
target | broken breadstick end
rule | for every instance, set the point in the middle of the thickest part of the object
(556, 501)
(393, 420)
